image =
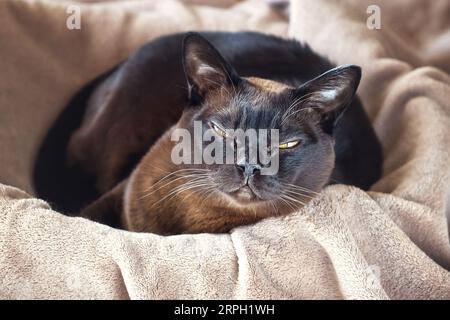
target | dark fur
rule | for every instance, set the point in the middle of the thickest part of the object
(149, 96)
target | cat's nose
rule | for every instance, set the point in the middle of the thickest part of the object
(249, 169)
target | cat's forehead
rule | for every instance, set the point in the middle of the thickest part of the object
(256, 104)
(267, 86)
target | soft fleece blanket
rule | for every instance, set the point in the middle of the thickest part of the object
(389, 243)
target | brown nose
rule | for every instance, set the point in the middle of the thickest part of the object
(249, 169)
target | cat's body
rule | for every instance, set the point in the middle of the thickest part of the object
(145, 96)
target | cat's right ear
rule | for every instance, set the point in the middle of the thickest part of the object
(205, 69)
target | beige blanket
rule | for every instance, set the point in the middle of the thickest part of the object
(391, 242)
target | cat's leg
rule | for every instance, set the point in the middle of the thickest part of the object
(123, 119)
(108, 208)
(102, 145)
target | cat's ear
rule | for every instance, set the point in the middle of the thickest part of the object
(205, 69)
(330, 92)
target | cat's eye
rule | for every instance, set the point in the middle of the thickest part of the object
(289, 145)
(221, 132)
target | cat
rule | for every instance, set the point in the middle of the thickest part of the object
(223, 81)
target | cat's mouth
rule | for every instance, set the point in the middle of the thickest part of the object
(246, 194)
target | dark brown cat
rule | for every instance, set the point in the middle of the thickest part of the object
(260, 82)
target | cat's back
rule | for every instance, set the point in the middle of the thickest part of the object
(252, 54)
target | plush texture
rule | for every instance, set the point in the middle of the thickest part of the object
(391, 242)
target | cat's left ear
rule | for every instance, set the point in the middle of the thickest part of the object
(205, 69)
(330, 92)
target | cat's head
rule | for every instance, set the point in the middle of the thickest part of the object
(304, 118)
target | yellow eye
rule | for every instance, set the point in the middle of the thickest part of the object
(218, 130)
(288, 145)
